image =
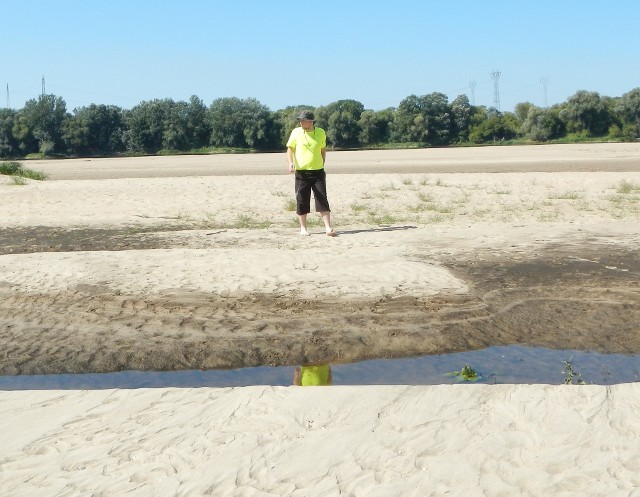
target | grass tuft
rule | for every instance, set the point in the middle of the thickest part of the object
(355, 207)
(13, 168)
(565, 196)
(626, 187)
(382, 219)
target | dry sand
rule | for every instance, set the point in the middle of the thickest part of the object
(387, 441)
(115, 270)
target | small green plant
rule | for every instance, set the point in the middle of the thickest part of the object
(626, 187)
(467, 373)
(583, 205)
(421, 207)
(355, 207)
(10, 168)
(17, 180)
(407, 181)
(571, 376)
(481, 212)
(389, 188)
(244, 221)
(382, 219)
(444, 209)
(15, 169)
(290, 205)
(184, 216)
(547, 217)
(565, 196)
(208, 221)
(425, 197)
(434, 219)
(312, 221)
(432, 207)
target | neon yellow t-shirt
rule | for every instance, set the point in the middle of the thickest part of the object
(307, 148)
(313, 376)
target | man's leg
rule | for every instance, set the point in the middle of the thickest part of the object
(303, 202)
(303, 224)
(326, 218)
(322, 203)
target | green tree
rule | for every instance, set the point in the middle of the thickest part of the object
(169, 125)
(340, 120)
(461, 118)
(425, 119)
(350, 107)
(343, 129)
(95, 130)
(242, 123)
(628, 108)
(586, 112)
(176, 134)
(402, 128)
(146, 124)
(44, 118)
(198, 123)
(375, 126)
(521, 111)
(22, 133)
(9, 146)
(542, 124)
(186, 125)
(494, 126)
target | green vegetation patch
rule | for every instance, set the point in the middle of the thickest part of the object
(626, 187)
(15, 169)
(467, 373)
(565, 196)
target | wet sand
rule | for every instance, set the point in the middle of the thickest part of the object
(185, 272)
(618, 157)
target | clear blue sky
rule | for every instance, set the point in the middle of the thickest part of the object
(282, 53)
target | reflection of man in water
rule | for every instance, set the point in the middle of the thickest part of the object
(312, 376)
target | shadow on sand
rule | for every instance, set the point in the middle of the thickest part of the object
(375, 230)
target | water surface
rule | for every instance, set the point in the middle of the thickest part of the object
(507, 364)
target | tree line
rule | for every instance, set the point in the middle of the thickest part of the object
(45, 127)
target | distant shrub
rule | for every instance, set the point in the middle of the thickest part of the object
(13, 168)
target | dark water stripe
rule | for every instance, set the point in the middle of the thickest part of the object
(500, 365)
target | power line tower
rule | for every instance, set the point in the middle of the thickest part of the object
(8, 103)
(495, 75)
(545, 81)
(43, 90)
(472, 85)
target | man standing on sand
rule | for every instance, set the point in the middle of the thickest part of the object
(306, 154)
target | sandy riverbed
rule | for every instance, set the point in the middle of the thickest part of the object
(108, 269)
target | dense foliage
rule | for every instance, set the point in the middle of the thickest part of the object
(44, 126)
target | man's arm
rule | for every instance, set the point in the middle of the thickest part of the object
(290, 161)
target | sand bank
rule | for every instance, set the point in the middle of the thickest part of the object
(360, 441)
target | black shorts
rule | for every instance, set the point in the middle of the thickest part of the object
(306, 182)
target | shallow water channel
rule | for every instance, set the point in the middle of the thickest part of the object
(507, 364)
